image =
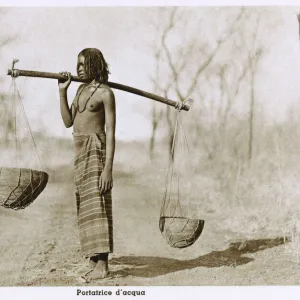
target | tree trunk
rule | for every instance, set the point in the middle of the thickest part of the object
(251, 117)
(155, 121)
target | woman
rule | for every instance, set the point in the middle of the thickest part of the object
(93, 117)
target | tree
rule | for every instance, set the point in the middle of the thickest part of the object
(184, 65)
(5, 40)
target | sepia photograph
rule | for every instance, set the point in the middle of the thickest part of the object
(149, 146)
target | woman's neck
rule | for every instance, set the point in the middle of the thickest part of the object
(93, 82)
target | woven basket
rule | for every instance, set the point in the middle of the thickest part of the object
(19, 187)
(180, 232)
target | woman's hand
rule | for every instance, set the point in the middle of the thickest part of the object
(64, 84)
(105, 181)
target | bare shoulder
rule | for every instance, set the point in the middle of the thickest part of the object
(106, 94)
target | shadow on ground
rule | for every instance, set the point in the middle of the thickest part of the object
(235, 255)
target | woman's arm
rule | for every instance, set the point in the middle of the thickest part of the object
(108, 99)
(66, 112)
(110, 125)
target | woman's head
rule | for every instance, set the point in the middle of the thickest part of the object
(92, 65)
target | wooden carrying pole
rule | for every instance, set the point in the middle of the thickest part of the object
(113, 85)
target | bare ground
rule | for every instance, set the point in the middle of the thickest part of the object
(40, 246)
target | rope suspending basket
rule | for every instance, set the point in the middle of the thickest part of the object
(175, 223)
(22, 178)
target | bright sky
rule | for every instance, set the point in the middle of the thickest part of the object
(49, 39)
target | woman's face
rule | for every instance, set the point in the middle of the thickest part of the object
(80, 68)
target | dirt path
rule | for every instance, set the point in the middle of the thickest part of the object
(32, 236)
(39, 246)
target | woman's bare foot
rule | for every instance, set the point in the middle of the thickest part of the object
(99, 272)
(92, 264)
(99, 265)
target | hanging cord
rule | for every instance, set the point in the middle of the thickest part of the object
(31, 134)
(15, 74)
(177, 206)
(185, 147)
(16, 199)
(13, 116)
(10, 109)
(170, 174)
(166, 202)
(11, 125)
(17, 146)
(8, 112)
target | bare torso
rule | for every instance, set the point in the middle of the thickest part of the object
(88, 109)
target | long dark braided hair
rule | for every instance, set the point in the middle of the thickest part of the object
(95, 65)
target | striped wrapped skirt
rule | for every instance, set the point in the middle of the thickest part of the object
(93, 209)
